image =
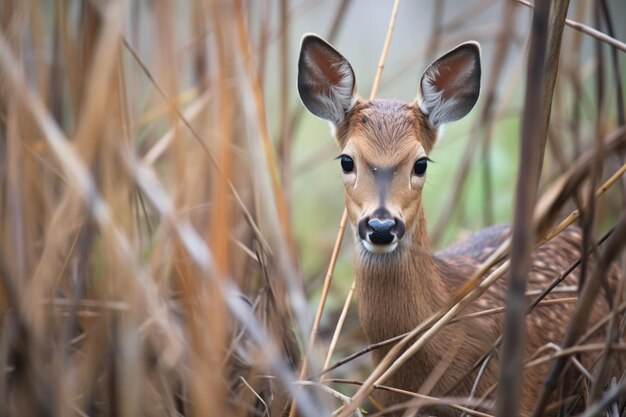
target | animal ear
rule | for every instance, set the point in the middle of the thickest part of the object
(450, 86)
(326, 82)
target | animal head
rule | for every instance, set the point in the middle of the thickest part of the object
(385, 143)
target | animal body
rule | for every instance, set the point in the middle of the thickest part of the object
(385, 146)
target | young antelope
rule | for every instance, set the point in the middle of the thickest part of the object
(385, 146)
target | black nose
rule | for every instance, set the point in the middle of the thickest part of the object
(381, 231)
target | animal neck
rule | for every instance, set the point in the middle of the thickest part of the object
(398, 290)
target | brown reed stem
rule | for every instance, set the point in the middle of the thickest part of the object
(545, 46)
(580, 318)
(573, 216)
(587, 30)
(340, 322)
(246, 213)
(284, 141)
(245, 47)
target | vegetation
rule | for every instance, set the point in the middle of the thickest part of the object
(168, 212)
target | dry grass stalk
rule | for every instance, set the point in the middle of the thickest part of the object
(615, 43)
(148, 264)
(545, 47)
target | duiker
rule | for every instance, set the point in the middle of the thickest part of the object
(384, 161)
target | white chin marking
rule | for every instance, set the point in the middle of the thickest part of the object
(380, 248)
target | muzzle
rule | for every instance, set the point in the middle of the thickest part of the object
(381, 232)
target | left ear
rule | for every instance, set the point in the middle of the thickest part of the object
(326, 82)
(450, 86)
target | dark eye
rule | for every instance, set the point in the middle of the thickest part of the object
(347, 164)
(420, 167)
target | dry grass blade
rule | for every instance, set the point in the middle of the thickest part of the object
(200, 254)
(200, 141)
(620, 135)
(609, 398)
(281, 204)
(421, 400)
(80, 178)
(581, 315)
(587, 30)
(343, 398)
(337, 332)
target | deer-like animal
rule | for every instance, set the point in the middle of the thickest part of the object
(385, 146)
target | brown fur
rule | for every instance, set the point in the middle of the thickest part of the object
(397, 291)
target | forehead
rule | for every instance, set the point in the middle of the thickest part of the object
(389, 128)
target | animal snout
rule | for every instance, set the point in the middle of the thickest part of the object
(381, 231)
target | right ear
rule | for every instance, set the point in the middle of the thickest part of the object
(450, 86)
(326, 82)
